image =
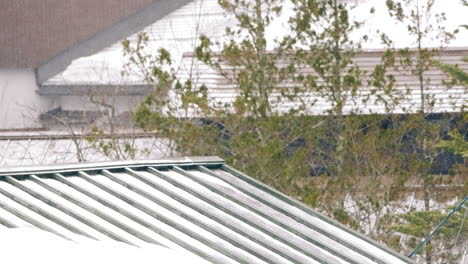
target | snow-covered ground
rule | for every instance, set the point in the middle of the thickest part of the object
(29, 245)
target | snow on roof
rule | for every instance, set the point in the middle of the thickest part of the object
(31, 245)
(197, 206)
(178, 32)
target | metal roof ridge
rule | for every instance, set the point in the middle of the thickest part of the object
(68, 167)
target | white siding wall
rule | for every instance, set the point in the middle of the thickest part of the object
(19, 103)
(439, 98)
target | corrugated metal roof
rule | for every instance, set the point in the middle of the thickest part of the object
(197, 205)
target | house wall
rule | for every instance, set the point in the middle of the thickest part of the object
(121, 104)
(179, 31)
(20, 105)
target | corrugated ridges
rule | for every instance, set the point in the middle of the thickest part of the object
(201, 207)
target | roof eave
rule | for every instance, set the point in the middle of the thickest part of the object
(126, 27)
(95, 89)
(63, 168)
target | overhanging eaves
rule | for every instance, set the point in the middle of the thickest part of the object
(80, 90)
(130, 25)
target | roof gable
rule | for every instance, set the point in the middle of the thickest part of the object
(180, 29)
(117, 31)
(177, 31)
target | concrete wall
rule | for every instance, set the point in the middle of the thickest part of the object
(20, 106)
